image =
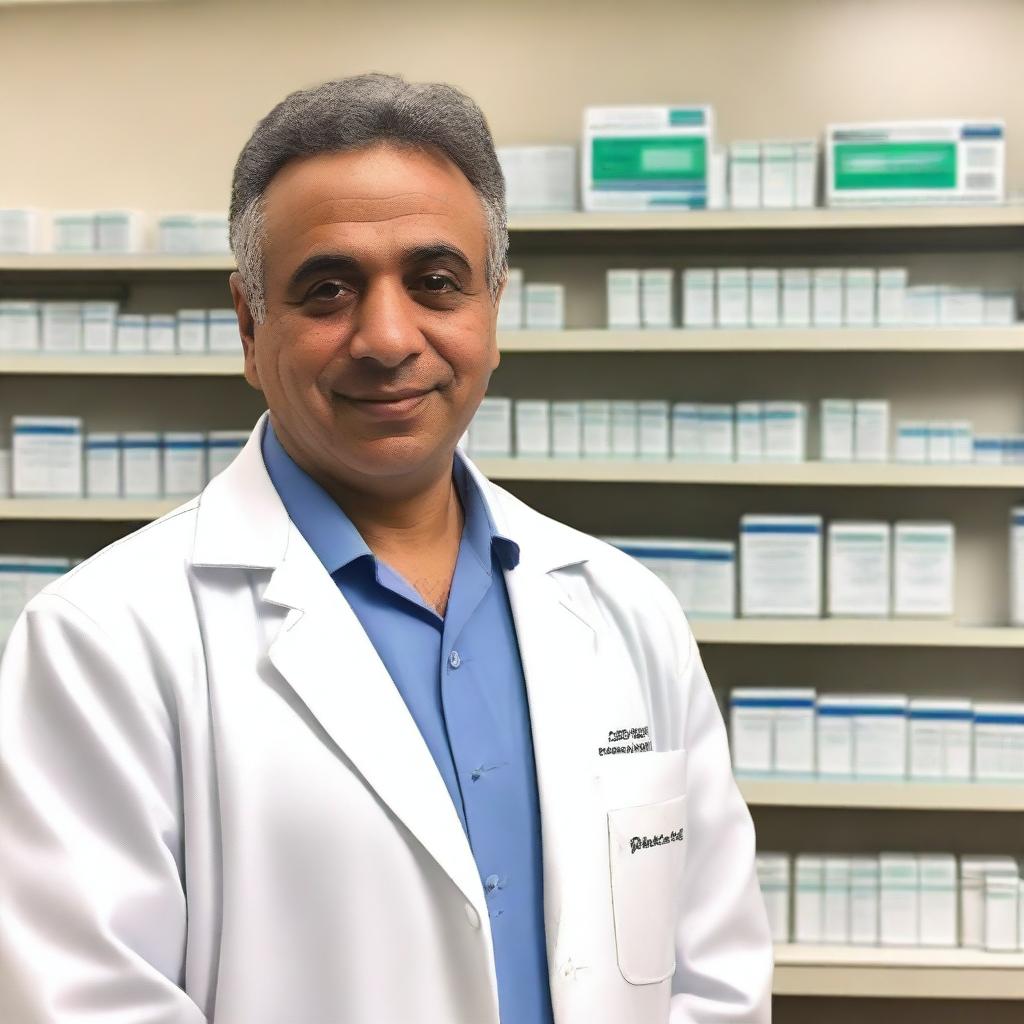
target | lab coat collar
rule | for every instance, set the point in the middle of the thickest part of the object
(243, 523)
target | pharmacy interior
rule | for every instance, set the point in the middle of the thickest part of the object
(763, 330)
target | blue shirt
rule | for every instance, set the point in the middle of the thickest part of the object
(462, 680)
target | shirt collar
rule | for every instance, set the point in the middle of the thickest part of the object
(332, 535)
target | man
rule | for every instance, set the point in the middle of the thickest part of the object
(355, 737)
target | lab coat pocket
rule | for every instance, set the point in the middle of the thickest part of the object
(646, 851)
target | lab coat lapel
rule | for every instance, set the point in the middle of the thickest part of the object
(557, 647)
(327, 658)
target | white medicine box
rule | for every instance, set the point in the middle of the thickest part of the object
(47, 456)
(780, 566)
(924, 569)
(858, 569)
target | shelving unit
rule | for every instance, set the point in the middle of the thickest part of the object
(799, 474)
(889, 796)
(737, 652)
(897, 973)
(855, 633)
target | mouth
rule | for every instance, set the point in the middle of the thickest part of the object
(388, 406)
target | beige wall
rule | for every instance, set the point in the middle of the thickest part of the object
(146, 105)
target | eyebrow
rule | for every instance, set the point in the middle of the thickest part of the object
(342, 261)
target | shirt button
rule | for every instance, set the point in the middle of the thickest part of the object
(472, 916)
(454, 659)
(491, 883)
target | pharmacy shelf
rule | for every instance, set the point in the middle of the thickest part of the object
(897, 796)
(872, 218)
(897, 973)
(855, 633)
(582, 342)
(1004, 218)
(845, 339)
(798, 474)
(86, 509)
(45, 364)
(116, 263)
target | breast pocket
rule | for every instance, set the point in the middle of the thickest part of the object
(646, 855)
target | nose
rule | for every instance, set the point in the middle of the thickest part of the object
(386, 326)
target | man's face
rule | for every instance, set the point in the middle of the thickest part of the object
(379, 338)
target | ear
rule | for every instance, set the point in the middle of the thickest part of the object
(246, 329)
(494, 322)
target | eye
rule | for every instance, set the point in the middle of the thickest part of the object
(438, 284)
(327, 291)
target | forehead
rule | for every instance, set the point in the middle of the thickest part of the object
(370, 197)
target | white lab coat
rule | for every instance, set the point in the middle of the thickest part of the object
(215, 806)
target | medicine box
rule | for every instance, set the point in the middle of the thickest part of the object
(809, 898)
(778, 175)
(566, 430)
(836, 904)
(221, 448)
(773, 876)
(19, 326)
(864, 896)
(490, 432)
(892, 295)
(784, 431)
(102, 465)
(184, 463)
(623, 299)
(545, 306)
(871, 431)
(858, 569)
(539, 178)
(941, 739)
(222, 331)
(716, 432)
(880, 737)
(656, 298)
(859, 287)
(140, 464)
(834, 739)
(119, 231)
(764, 297)
(130, 338)
(999, 742)
(161, 329)
(827, 297)
(192, 331)
(99, 327)
(19, 231)
(533, 428)
(510, 308)
(796, 298)
(780, 557)
(62, 326)
(646, 157)
(937, 926)
(749, 432)
(74, 231)
(654, 429)
(686, 432)
(733, 295)
(625, 440)
(837, 417)
(745, 175)
(46, 456)
(906, 162)
(912, 441)
(773, 731)
(597, 429)
(1017, 565)
(899, 892)
(924, 569)
(698, 298)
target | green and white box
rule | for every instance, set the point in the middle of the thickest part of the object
(646, 157)
(923, 162)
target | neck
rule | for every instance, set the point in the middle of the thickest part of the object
(396, 517)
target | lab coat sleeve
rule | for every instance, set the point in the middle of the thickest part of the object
(723, 942)
(92, 905)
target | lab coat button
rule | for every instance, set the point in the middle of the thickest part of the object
(472, 916)
(454, 659)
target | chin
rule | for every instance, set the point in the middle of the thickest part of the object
(396, 456)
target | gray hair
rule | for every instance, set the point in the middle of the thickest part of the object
(357, 113)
